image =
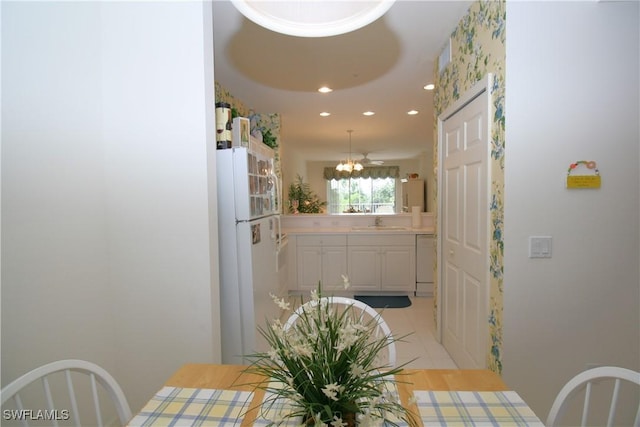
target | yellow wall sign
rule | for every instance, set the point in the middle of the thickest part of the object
(589, 178)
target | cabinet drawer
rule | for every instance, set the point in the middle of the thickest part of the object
(322, 240)
(383, 240)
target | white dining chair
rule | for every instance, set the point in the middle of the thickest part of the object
(366, 313)
(584, 380)
(54, 374)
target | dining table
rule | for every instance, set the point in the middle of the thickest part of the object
(226, 395)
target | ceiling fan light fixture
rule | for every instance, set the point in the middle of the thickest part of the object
(349, 165)
(312, 18)
(344, 167)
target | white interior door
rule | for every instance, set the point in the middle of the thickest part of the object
(464, 144)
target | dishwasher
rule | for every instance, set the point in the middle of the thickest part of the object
(425, 262)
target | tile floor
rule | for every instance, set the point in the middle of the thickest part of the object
(415, 321)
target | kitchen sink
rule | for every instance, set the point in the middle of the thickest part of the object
(378, 227)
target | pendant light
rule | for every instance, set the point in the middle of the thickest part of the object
(349, 165)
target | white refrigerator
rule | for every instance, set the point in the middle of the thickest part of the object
(413, 194)
(249, 244)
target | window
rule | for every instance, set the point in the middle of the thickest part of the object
(368, 195)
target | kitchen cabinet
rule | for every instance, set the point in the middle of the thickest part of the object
(364, 268)
(382, 263)
(321, 257)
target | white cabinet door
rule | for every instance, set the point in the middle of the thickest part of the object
(372, 262)
(309, 266)
(397, 268)
(334, 265)
(364, 268)
(321, 258)
(382, 262)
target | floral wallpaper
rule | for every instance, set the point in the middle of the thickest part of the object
(478, 48)
(260, 122)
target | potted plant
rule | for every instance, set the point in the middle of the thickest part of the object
(324, 370)
(302, 199)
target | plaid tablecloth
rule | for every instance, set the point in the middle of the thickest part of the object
(174, 406)
(474, 408)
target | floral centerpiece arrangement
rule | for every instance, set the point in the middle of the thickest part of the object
(326, 366)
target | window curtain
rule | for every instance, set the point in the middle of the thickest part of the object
(368, 172)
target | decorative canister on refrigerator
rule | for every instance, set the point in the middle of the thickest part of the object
(223, 125)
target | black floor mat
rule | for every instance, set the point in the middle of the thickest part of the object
(384, 301)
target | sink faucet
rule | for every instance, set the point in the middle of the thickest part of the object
(378, 221)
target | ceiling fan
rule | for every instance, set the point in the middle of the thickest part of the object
(367, 161)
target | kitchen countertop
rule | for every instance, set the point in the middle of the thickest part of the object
(350, 230)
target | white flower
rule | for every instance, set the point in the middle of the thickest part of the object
(345, 342)
(314, 295)
(273, 354)
(337, 422)
(302, 350)
(276, 325)
(369, 420)
(280, 302)
(359, 327)
(277, 328)
(348, 337)
(332, 390)
(345, 281)
(318, 421)
(358, 371)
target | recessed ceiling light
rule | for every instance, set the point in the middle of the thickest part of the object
(325, 114)
(430, 86)
(325, 89)
(412, 112)
(368, 113)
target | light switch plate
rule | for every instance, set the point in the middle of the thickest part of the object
(539, 246)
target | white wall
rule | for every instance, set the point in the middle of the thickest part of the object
(572, 93)
(292, 164)
(56, 296)
(107, 183)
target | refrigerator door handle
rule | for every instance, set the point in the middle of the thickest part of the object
(278, 242)
(278, 195)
